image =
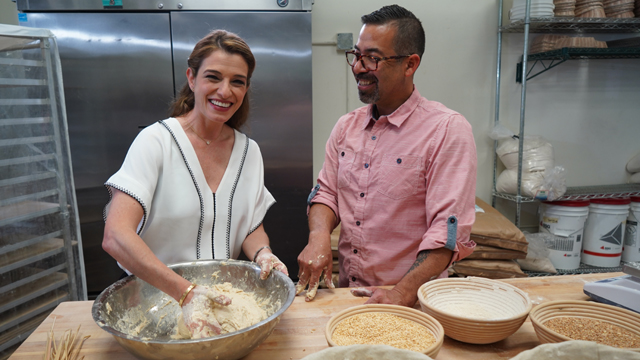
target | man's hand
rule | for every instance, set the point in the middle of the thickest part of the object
(383, 296)
(267, 262)
(197, 313)
(406, 291)
(314, 262)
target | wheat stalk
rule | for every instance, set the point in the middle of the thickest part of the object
(67, 348)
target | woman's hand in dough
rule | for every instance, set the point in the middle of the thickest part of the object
(267, 262)
(197, 313)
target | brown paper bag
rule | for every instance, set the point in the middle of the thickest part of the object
(492, 269)
(495, 253)
(491, 228)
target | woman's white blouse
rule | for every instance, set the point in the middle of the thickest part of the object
(183, 219)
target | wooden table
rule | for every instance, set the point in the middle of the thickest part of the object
(301, 328)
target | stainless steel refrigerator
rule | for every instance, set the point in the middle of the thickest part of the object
(122, 63)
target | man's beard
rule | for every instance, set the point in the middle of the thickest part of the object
(372, 97)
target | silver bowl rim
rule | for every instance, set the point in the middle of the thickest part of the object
(97, 304)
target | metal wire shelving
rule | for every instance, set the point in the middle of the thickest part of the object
(558, 25)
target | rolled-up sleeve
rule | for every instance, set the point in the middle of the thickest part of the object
(325, 191)
(451, 180)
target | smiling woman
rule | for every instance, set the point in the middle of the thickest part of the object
(231, 44)
(192, 186)
(219, 90)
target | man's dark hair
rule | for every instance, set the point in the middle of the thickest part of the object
(409, 38)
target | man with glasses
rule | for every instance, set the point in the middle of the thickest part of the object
(399, 175)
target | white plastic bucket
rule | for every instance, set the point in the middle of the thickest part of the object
(604, 232)
(565, 220)
(631, 248)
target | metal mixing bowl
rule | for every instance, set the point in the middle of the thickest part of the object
(142, 318)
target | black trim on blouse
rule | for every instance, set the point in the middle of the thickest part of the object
(109, 185)
(195, 184)
(233, 192)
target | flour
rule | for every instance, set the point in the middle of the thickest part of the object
(146, 324)
(132, 322)
(243, 312)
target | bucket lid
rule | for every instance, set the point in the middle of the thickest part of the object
(571, 203)
(612, 201)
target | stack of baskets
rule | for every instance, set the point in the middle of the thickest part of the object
(564, 8)
(590, 9)
(546, 42)
(579, 42)
(619, 8)
(537, 9)
(550, 42)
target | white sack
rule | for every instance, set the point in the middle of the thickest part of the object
(633, 166)
(537, 154)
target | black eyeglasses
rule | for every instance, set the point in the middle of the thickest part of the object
(367, 61)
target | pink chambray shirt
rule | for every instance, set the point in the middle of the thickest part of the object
(399, 185)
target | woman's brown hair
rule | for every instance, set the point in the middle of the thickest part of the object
(216, 40)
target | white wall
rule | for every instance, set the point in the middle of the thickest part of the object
(587, 109)
(458, 68)
(8, 12)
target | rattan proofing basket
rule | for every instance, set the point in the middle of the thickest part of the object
(582, 309)
(498, 297)
(405, 312)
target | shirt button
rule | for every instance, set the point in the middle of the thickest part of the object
(342, 153)
(399, 161)
(361, 194)
(358, 223)
(353, 279)
(373, 138)
(355, 251)
(366, 166)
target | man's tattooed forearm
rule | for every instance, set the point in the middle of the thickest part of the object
(422, 256)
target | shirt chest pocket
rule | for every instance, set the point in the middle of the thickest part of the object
(345, 163)
(399, 175)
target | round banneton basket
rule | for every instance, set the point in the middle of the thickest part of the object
(581, 309)
(402, 311)
(475, 310)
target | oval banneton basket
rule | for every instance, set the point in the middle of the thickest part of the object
(581, 309)
(507, 305)
(402, 311)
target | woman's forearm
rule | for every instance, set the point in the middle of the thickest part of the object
(123, 243)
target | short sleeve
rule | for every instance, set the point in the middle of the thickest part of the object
(138, 175)
(263, 199)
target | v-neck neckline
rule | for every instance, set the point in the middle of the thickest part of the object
(231, 165)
